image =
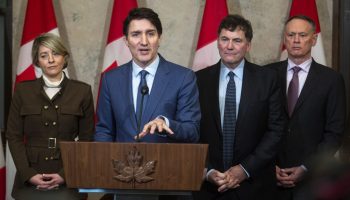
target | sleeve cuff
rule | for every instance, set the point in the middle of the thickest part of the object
(166, 122)
(165, 119)
(207, 175)
(245, 171)
(304, 168)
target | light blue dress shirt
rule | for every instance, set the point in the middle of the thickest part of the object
(224, 78)
(136, 77)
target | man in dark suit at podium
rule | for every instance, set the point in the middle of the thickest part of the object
(242, 119)
(148, 99)
(314, 100)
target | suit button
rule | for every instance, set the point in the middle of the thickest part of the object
(54, 123)
(46, 123)
(56, 107)
(46, 107)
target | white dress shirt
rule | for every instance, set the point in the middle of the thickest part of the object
(305, 67)
(302, 75)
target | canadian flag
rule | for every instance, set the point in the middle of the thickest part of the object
(207, 51)
(308, 8)
(40, 18)
(116, 51)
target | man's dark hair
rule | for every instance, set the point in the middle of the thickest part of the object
(142, 13)
(302, 17)
(232, 22)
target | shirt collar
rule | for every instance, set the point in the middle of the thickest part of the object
(151, 68)
(238, 70)
(53, 84)
(305, 66)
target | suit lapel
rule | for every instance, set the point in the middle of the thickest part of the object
(159, 86)
(310, 83)
(214, 94)
(282, 74)
(128, 81)
(248, 89)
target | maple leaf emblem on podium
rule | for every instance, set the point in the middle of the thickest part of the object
(133, 171)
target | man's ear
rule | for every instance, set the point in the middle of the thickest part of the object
(314, 39)
(126, 41)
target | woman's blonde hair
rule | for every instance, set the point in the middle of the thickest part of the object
(52, 42)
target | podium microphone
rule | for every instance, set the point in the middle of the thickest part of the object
(144, 91)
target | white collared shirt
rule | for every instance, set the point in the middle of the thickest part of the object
(305, 67)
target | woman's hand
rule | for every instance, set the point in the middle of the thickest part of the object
(46, 181)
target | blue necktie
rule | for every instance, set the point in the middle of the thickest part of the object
(143, 83)
(229, 125)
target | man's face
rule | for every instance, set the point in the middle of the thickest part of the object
(143, 41)
(232, 47)
(299, 38)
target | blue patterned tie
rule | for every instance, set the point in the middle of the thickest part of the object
(142, 84)
(229, 125)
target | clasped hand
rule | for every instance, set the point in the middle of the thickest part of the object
(229, 179)
(46, 181)
(289, 177)
(151, 127)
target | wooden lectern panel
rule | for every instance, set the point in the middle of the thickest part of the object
(103, 165)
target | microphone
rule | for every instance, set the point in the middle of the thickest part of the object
(144, 91)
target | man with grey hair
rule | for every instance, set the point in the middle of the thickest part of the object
(314, 100)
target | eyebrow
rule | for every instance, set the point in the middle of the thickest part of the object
(147, 31)
(293, 32)
(235, 38)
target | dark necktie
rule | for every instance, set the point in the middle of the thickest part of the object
(142, 85)
(293, 89)
(229, 125)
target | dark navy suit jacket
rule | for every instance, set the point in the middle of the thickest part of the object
(259, 128)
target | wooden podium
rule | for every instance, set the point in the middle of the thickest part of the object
(134, 168)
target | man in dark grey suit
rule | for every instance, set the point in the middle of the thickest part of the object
(314, 99)
(242, 119)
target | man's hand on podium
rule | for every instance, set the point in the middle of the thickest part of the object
(157, 125)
